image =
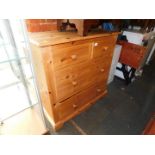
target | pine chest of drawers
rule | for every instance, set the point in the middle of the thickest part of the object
(71, 71)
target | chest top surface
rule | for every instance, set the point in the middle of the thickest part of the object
(51, 38)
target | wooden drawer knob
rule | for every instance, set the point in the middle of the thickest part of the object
(74, 106)
(98, 90)
(74, 83)
(102, 69)
(95, 44)
(74, 57)
(105, 48)
(62, 59)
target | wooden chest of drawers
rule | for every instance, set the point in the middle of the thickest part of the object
(71, 71)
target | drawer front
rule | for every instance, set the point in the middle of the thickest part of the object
(103, 48)
(101, 68)
(67, 107)
(84, 74)
(67, 56)
(64, 84)
(100, 88)
(86, 96)
(132, 54)
(70, 80)
(76, 102)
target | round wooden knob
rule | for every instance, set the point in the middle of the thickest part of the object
(62, 59)
(74, 83)
(98, 90)
(105, 48)
(74, 57)
(67, 76)
(74, 105)
(95, 44)
(102, 69)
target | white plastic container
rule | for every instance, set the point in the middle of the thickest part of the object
(114, 63)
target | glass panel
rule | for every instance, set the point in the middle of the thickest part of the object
(13, 99)
(5, 42)
(3, 55)
(7, 76)
(17, 87)
(29, 80)
(19, 37)
(15, 72)
(26, 68)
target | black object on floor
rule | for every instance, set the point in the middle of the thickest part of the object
(125, 110)
(127, 73)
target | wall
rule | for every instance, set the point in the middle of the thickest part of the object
(41, 25)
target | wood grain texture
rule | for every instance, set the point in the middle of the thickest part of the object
(42, 80)
(82, 25)
(72, 55)
(54, 37)
(71, 75)
(132, 54)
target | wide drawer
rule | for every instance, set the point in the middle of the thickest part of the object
(70, 55)
(100, 88)
(80, 100)
(85, 96)
(88, 95)
(67, 107)
(71, 80)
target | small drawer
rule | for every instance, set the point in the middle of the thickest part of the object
(106, 40)
(70, 55)
(102, 52)
(103, 48)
